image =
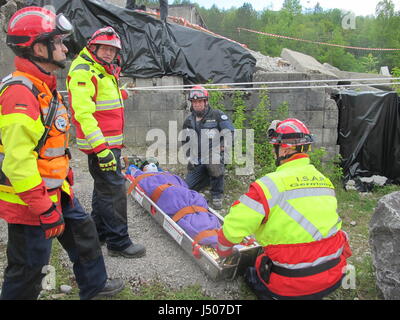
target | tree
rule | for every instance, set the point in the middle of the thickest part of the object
(385, 9)
(318, 8)
(377, 31)
(293, 6)
(176, 2)
(370, 63)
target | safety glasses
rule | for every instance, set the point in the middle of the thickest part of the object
(59, 40)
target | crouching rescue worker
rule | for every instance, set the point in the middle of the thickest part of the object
(36, 198)
(98, 115)
(206, 165)
(292, 213)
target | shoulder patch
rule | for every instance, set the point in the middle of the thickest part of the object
(224, 117)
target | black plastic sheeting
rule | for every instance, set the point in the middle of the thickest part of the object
(152, 48)
(369, 134)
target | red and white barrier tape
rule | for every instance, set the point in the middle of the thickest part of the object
(316, 42)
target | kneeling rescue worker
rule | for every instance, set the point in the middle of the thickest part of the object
(292, 214)
(36, 198)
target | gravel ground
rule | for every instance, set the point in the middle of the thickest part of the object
(165, 260)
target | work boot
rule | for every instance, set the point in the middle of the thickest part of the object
(111, 288)
(133, 251)
(217, 204)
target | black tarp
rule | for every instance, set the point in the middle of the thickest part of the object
(152, 48)
(369, 134)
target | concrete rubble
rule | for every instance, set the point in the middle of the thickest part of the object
(384, 228)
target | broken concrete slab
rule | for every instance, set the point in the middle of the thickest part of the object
(357, 75)
(384, 240)
(6, 55)
(305, 63)
(271, 64)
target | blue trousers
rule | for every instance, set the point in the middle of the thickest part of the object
(109, 204)
(201, 176)
(28, 251)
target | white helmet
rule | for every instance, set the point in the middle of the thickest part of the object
(151, 167)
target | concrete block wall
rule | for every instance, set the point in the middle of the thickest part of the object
(312, 106)
(147, 110)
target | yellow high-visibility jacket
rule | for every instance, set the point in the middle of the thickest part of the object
(97, 105)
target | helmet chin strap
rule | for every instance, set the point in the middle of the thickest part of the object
(201, 113)
(50, 48)
(111, 68)
(279, 159)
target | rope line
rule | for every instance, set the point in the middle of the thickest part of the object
(261, 88)
(206, 85)
(180, 88)
(316, 42)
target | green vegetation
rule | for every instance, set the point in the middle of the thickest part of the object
(315, 24)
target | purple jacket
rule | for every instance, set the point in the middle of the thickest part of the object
(177, 197)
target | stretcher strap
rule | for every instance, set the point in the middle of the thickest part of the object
(187, 210)
(204, 234)
(132, 186)
(135, 181)
(141, 177)
(158, 191)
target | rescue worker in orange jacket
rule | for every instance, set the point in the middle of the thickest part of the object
(98, 115)
(36, 198)
(292, 214)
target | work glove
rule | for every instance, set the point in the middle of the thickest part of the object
(107, 160)
(52, 222)
(125, 92)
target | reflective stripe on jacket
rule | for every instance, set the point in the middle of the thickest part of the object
(21, 128)
(97, 105)
(300, 229)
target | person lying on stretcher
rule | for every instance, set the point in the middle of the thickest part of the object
(188, 208)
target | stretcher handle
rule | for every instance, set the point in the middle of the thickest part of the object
(235, 264)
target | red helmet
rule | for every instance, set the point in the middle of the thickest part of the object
(106, 36)
(290, 132)
(31, 24)
(198, 93)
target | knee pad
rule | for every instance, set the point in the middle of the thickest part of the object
(215, 170)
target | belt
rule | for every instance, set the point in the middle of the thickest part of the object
(305, 272)
(267, 267)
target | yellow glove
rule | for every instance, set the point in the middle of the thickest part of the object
(107, 160)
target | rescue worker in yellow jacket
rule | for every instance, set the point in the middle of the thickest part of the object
(36, 198)
(292, 214)
(98, 115)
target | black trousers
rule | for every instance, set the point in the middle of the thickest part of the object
(109, 204)
(203, 175)
(28, 251)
